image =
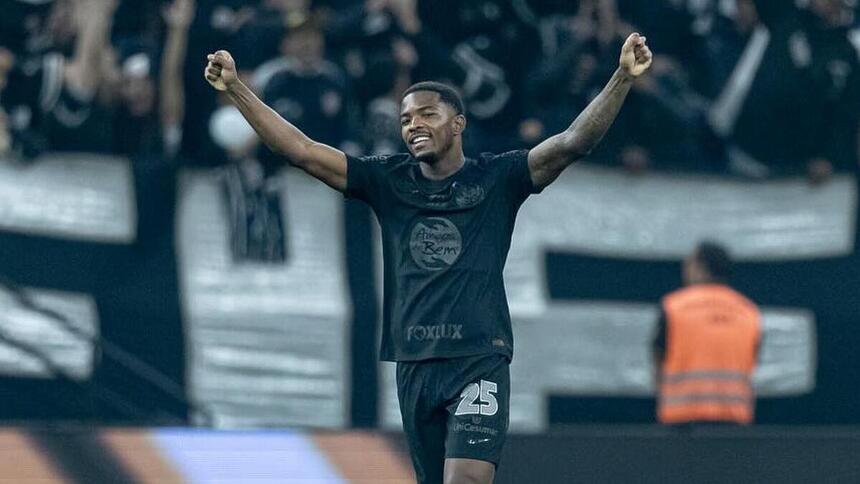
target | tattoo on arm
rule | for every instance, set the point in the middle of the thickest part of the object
(550, 158)
(592, 124)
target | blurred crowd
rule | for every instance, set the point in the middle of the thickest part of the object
(755, 88)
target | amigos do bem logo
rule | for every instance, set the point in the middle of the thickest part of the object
(435, 243)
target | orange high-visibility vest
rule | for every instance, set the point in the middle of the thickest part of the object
(712, 337)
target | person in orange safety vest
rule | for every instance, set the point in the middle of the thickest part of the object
(707, 345)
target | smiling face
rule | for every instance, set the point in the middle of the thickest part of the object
(429, 127)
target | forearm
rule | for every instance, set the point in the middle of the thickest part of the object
(172, 91)
(591, 125)
(278, 134)
(550, 158)
(84, 72)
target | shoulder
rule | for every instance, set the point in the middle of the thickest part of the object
(494, 161)
(506, 157)
(390, 160)
(388, 163)
(672, 298)
(746, 303)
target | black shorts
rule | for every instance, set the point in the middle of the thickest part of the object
(454, 408)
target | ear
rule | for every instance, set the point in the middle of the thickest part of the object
(459, 124)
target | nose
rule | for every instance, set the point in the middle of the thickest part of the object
(414, 124)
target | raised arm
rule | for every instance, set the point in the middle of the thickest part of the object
(94, 19)
(548, 159)
(178, 17)
(319, 160)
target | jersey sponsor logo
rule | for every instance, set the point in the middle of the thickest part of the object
(435, 243)
(434, 332)
(481, 429)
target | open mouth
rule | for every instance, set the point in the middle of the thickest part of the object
(419, 140)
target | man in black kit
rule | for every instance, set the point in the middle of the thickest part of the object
(446, 225)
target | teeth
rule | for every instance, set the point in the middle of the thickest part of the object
(418, 139)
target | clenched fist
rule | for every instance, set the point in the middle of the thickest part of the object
(220, 72)
(635, 55)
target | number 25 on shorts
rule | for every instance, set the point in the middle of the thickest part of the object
(488, 405)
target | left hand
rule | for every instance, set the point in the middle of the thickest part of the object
(635, 56)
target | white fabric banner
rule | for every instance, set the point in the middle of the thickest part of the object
(268, 343)
(71, 196)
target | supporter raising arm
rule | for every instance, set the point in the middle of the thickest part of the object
(94, 19)
(319, 160)
(178, 17)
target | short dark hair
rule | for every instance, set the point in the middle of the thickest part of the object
(447, 94)
(715, 259)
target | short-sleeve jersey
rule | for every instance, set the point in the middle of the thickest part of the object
(444, 249)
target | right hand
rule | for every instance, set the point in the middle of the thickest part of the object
(636, 57)
(220, 72)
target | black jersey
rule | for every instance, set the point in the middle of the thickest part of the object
(444, 249)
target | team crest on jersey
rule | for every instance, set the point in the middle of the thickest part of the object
(467, 194)
(435, 243)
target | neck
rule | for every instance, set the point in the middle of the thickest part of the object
(445, 167)
(704, 280)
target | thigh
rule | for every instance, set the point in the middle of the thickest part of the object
(424, 424)
(469, 470)
(478, 411)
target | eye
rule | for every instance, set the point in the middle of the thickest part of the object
(404, 121)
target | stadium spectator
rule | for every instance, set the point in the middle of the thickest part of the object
(725, 34)
(73, 92)
(575, 51)
(790, 103)
(707, 345)
(485, 49)
(304, 87)
(381, 128)
(666, 123)
(51, 99)
(663, 125)
(668, 22)
(148, 116)
(23, 27)
(371, 41)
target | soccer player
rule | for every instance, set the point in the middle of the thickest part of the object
(446, 225)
